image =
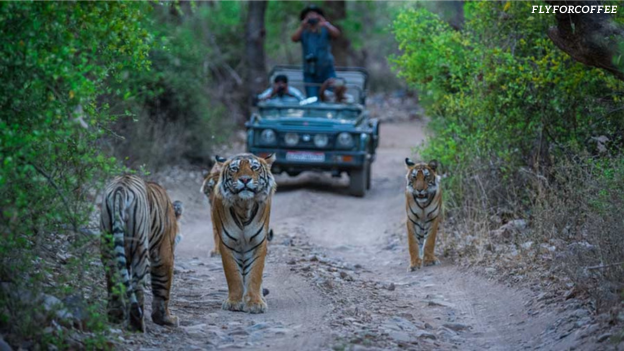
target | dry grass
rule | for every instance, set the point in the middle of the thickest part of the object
(574, 222)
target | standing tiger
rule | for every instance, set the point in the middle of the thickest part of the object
(423, 204)
(208, 185)
(139, 226)
(241, 208)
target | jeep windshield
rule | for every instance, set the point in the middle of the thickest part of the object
(309, 112)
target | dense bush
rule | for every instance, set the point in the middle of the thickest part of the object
(55, 59)
(192, 96)
(510, 112)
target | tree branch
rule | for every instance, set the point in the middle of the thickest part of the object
(589, 38)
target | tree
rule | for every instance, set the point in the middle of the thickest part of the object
(255, 60)
(593, 39)
(341, 46)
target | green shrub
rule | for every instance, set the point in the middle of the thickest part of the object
(187, 102)
(508, 110)
(56, 58)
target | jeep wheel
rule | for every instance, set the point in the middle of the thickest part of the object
(357, 182)
(368, 176)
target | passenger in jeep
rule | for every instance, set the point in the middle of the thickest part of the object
(281, 92)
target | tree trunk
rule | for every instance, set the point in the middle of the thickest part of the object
(452, 12)
(255, 61)
(590, 38)
(341, 46)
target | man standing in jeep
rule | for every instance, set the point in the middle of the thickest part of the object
(315, 34)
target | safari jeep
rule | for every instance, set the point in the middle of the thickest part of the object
(316, 136)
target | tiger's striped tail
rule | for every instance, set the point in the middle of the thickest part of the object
(118, 228)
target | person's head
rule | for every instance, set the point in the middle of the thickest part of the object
(312, 14)
(280, 84)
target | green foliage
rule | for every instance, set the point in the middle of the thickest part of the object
(178, 115)
(523, 131)
(56, 58)
(499, 90)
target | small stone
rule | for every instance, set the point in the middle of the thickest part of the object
(425, 335)
(257, 326)
(390, 287)
(345, 276)
(400, 336)
(438, 303)
(238, 331)
(291, 261)
(570, 293)
(604, 337)
(456, 326)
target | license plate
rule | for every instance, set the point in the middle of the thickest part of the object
(305, 156)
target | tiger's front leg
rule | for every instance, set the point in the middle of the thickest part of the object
(413, 247)
(217, 242)
(254, 301)
(234, 301)
(162, 278)
(430, 259)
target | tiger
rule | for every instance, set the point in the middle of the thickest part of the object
(423, 205)
(139, 226)
(241, 209)
(207, 188)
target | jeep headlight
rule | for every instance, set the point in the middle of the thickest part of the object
(345, 140)
(291, 139)
(321, 140)
(268, 137)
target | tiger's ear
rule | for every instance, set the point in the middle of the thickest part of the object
(178, 208)
(433, 164)
(270, 159)
(220, 159)
(409, 163)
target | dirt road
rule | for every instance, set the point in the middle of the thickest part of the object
(337, 275)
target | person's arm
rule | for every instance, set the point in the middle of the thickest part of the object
(297, 36)
(267, 94)
(324, 87)
(333, 31)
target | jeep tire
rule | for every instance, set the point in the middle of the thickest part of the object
(357, 182)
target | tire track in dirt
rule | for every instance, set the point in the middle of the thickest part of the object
(337, 272)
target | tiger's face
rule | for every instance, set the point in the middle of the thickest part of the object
(422, 179)
(246, 177)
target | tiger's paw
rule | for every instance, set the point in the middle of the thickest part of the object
(137, 322)
(230, 305)
(215, 253)
(431, 261)
(414, 266)
(256, 307)
(168, 320)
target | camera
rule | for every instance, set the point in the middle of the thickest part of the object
(313, 21)
(281, 91)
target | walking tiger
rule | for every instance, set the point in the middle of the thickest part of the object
(241, 208)
(423, 205)
(139, 227)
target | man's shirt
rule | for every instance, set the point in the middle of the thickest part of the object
(293, 95)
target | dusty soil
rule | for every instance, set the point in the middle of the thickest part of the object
(337, 275)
